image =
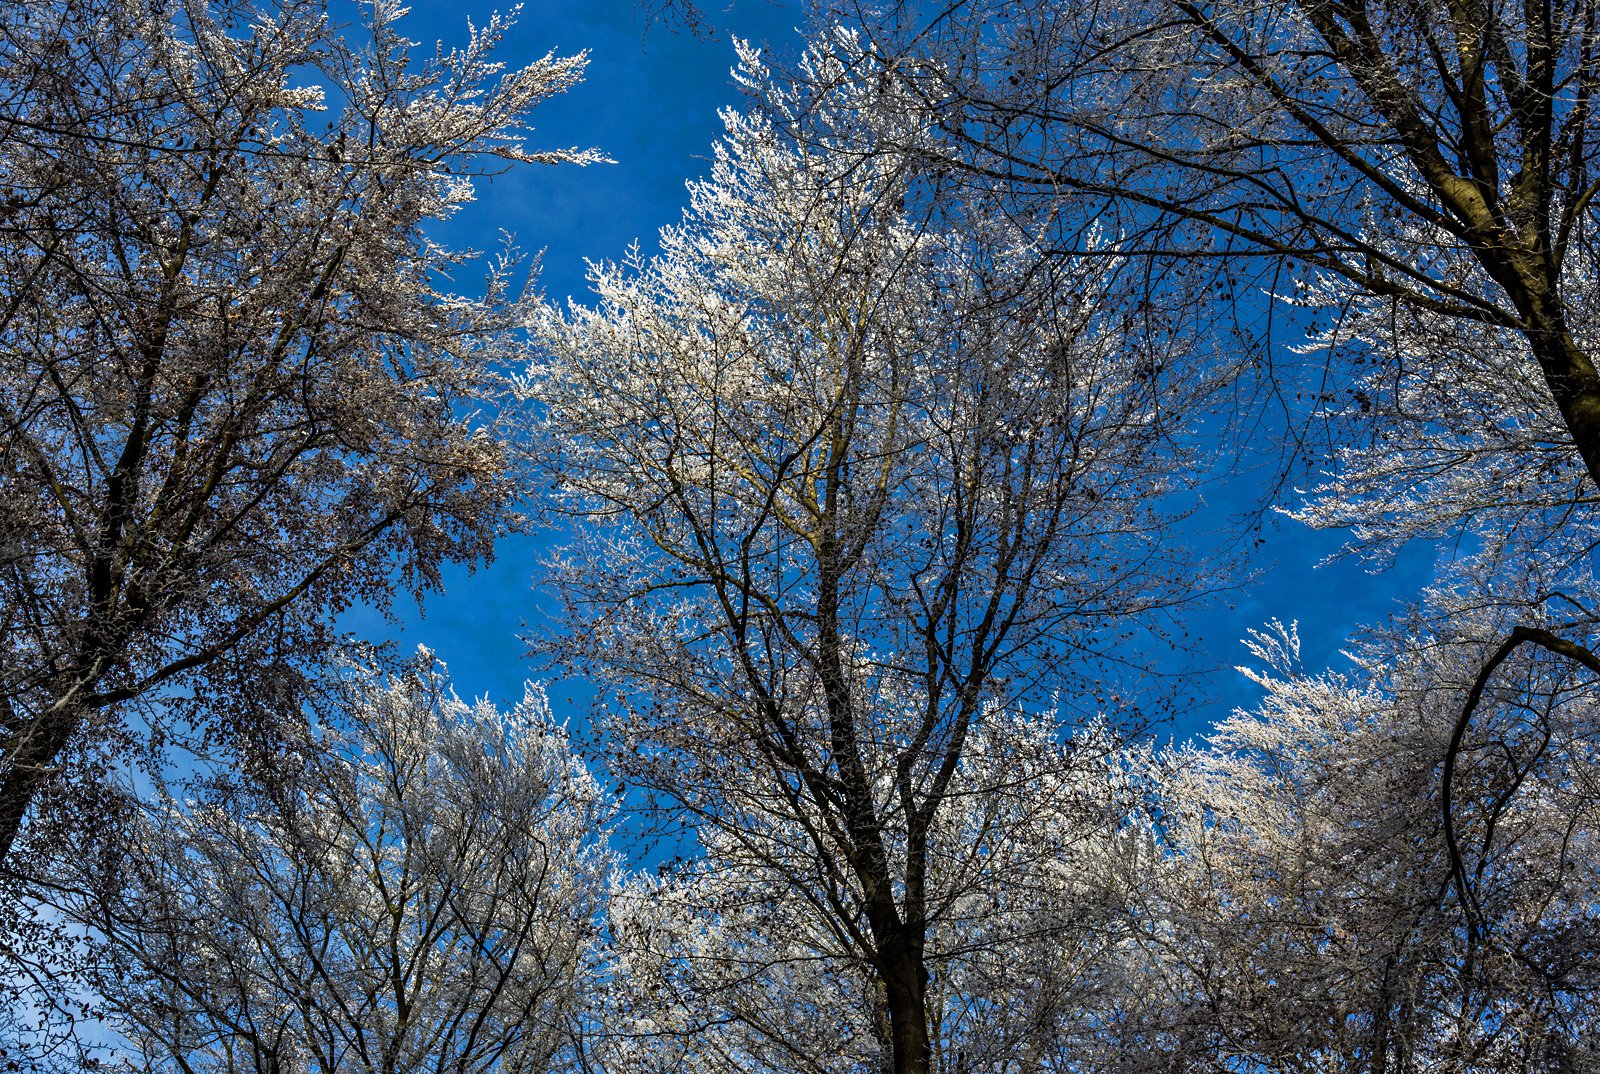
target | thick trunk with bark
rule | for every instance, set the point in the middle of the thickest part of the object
(905, 980)
(1575, 387)
(30, 763)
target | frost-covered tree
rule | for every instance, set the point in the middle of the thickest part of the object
(418, 891)
(236, 390)
(1382, 141)
(1424, 173)
(853, 480)
(734, 966)
(1341, 897)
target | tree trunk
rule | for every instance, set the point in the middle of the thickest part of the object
(31, 761)
(1574, 385)
(905, 982)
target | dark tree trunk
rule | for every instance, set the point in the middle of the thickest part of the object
(1574, 385)
(905, 980)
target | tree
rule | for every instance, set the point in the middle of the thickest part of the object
(418, 891)
(1312, 914)
(854, 482)
(1381, 142)
(235, 392)
(1430, 163)
(1032, 865)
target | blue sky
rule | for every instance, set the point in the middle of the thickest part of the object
(650, 100)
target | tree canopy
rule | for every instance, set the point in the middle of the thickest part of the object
(235, 394)
(874, 499)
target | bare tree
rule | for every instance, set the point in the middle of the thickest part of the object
(852, 480)
(235, 392)
(416, 892)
